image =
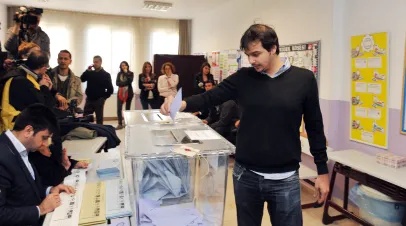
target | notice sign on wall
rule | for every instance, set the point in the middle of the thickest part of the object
(369, 89)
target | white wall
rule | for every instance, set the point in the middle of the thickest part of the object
(294, 21)
(368, 16)
(3, 21)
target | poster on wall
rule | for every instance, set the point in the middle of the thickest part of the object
(403, 111)
(304, 55)
(213, 59)
(369, 89)
(224, 63)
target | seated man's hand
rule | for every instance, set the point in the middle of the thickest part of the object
(50, 203)
(81, 165)
(196, 113)
(205, 122)
(62, 188)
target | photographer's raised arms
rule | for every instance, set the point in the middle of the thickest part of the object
(26, 29)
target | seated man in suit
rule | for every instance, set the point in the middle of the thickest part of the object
(222, 118)
(23, 198)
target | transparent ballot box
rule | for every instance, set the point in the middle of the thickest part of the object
(172, 188)
(154, 117)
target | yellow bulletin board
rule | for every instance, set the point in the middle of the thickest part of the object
(369, 89)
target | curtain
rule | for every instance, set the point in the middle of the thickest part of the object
(114, 38)
(185, 28)
(11, 10)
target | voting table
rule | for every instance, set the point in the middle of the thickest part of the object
(364, 169)
(93, 178)
(179, 169)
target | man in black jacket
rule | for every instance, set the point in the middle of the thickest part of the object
(23, 198)
(99, 89)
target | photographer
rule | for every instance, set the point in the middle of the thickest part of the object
(26, 85)
(26, 29)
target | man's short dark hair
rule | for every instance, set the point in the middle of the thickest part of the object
(39, 117)
(66, 51)
(98, 57)
(262, 33)
(37, 59)
(212, 83)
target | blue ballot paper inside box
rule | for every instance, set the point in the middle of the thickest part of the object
(165, 179)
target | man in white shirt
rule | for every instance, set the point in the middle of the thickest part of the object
(23, 198)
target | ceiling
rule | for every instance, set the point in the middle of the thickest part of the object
(182, 9)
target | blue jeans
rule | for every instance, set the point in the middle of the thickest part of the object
(252, 190)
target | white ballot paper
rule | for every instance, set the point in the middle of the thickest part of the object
(68, 212)
(176, 104)
(118, 199)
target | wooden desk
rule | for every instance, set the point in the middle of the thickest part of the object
(74, 147)
(364, 169)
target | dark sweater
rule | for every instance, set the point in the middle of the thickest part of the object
(98, 84)
(144, 92)
(272, 108)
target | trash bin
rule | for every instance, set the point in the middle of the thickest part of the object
(377, 208)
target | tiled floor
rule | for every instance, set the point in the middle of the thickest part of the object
(311, 217)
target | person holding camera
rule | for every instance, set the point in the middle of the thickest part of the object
(99, 89)
(65, 82)
(26, 85)
(27, 29)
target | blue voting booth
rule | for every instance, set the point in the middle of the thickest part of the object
(179, 169)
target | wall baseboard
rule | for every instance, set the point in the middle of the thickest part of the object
(110, 118)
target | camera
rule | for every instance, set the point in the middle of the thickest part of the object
(73, 109)
(28, 19)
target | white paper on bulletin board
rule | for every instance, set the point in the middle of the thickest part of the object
(304, 55)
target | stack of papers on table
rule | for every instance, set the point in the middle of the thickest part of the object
(93, 209)
(109, 168)
(151, 213)
(118, 199)
(68, 213)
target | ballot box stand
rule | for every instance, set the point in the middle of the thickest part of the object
(171, 188)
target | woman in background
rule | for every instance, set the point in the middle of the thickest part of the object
(125, 91)
(168, 82)
(147, 82)
(204, 76)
